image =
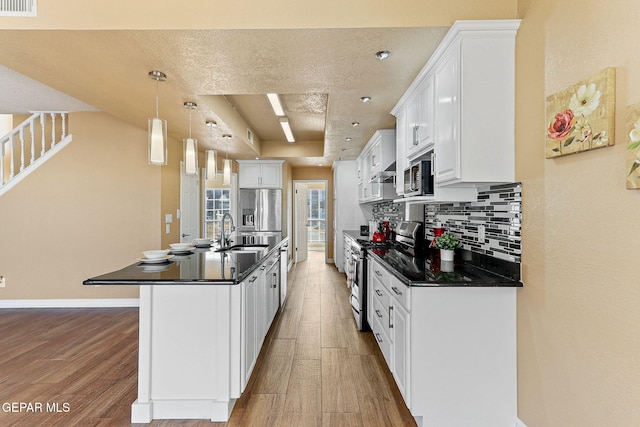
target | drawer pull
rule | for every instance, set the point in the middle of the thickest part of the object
(378, 337)
(378, 313)
(378, 292)
(394, 289)
(253, 279)
(378, 273)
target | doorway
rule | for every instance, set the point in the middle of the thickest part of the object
(310, 218)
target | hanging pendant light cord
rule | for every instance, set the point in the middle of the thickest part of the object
(157, 85)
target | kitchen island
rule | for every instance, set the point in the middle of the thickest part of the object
(203, 318)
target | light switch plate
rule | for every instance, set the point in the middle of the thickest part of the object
(167, 228)
(481, 235)
(168, 218)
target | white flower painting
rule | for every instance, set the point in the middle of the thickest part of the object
(633, 147)
(581, 117)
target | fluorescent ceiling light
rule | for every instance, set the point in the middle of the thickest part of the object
(284, 122)
(274, 99)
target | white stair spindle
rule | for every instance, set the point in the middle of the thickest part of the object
(64, 125)
(53, 130)
(33, 143)
(12, 166)
(21, 149)
(43, 143)
(2, 144)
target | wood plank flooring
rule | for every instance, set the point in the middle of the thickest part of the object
(315, 368)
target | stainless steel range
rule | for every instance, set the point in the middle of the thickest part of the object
(408, 235)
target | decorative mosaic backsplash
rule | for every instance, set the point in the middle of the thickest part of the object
(499, 209)
(394, 212)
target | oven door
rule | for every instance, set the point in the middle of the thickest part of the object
(357, 291)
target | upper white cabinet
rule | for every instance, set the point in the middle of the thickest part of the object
(461, 105)
(401, 151)
(260, 173)
(375, 181)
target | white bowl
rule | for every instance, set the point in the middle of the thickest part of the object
(159, 253)
(200, 242)
(180, 246)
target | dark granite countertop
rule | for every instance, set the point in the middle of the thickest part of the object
(427, 270)
(205, 266)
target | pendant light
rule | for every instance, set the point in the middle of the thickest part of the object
(212, 155)
(190, 146)
(158, 149)
(226, 170)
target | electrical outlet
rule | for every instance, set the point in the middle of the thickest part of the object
(481, 235)
(3, 282)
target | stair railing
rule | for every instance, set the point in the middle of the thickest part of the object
(29, 144)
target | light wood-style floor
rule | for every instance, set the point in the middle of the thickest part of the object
(315, 368)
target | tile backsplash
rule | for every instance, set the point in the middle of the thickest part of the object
(393, 212)
(499, 209)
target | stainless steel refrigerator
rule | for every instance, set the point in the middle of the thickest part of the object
(260, 212)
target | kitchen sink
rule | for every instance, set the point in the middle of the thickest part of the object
(243, 248)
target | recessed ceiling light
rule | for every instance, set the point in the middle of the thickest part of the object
(211, 123)
(383, 54)
(348, 138)
(365, 99)
(355, 124)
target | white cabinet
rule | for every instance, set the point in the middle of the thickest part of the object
(401, 150)
(347, 214)
(419, 135)
(375, 180)
(451, 350)
(250, 350)
(462, 103)
(260, 173)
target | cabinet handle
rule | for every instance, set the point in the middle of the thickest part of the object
(394, 289)
(390, 316)
(263, 268)
(275, 281)
(433, 164)
(378, 313)
(415, 134)
(378, 292)
(378, 337)
(378, 273)
(253, 279)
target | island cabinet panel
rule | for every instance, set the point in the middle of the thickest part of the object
(189, 352)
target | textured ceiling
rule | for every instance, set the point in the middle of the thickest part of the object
(321, 74)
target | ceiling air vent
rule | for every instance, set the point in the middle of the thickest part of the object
(249, 136)
(18, 7)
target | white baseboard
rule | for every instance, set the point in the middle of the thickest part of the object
(519, 423)
(70, 303)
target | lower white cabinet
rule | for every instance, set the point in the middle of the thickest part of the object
(260, 303)
(250, 325)
(452, 350)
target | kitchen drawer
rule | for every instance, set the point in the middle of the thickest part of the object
(401, 293)
(380, 292)
(380, 273)
(381, 311)
(383, 341)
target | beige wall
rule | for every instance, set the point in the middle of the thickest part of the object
(578, 316)
(320, 173)
(204, 14)
(89, 210)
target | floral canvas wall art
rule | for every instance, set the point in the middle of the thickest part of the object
(581, 117)
(633, 147)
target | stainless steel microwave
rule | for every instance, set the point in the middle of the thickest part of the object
(418, 178)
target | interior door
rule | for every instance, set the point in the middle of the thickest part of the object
(301, 232)
(189, 206)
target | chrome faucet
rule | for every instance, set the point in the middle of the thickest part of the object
(225, 238)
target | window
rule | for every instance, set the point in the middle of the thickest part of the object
(316, 208)
(216, 204)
